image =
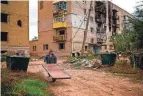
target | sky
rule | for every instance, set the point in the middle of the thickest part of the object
(127, 5)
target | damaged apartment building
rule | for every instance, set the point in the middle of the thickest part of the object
(15, 27)
(110, 20)
(61, 26)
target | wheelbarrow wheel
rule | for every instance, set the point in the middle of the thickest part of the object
(53, 79)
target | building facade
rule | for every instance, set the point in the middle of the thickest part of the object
(61, 26)
(15, 27)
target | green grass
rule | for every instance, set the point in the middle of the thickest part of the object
(23, 84)
(31, 87)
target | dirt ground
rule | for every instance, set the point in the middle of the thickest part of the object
(92, 83)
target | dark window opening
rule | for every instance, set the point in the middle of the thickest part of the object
(91, 29)
(61, 45)
(4, 36)
(85, 48)
(41, 4)
(62, 32)
(3, 51)
(19, 23)
(4, 2)
(73, 54)
(4, 17)
(45, 47)
(84, 11)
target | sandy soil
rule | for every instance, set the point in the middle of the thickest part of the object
(93, 83)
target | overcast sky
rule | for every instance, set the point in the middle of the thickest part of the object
(128, 5)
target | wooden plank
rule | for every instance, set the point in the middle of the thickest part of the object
(55, 71)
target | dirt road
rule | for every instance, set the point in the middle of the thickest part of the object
(95, 83)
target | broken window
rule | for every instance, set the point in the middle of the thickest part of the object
(19, 23)
(61, 5)
(4, 36)
(61, 46)
(45, 47)
(91, 29)
(62, 32)
(4, 2)
(85, 48)
(41, 4)
(4, 17)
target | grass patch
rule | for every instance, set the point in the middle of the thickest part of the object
(31, 87)
(22, 84)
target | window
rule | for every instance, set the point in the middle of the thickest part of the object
(19, 23)
(4, 2)
(4, 36)
(61, 5)
(3, 51)
(91, 18)
(62, 32)
(84, 11)
(85, 48)
(4, 17)
(91, 29)
(92, 40)
(41, 4)
(61, 46)
(34, 48)
(45, 47)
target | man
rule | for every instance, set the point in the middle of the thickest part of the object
(50, 58)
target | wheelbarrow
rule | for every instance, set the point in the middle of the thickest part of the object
(56, 72)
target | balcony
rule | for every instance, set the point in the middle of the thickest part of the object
(59, 38)
(59, 25)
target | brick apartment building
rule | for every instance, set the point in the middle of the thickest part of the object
(61, 25)
(15, 27)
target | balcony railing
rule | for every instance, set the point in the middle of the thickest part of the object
(59, 38)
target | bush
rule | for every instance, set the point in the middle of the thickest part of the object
(122, 67)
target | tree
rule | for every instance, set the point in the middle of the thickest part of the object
(35, 38)
(129, 40)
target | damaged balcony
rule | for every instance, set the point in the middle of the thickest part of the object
(60, 38)
(60, 35)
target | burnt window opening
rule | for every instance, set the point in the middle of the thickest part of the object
(41, 4)
(61, 46)
(62, 32)
(85, 48)
(4, 36)
(19, 23)
(4, 2)
(4, 17)
(84, 11)
(45, 47)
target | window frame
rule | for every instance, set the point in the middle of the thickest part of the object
(7, 17)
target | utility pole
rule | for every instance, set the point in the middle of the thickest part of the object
(86, 30)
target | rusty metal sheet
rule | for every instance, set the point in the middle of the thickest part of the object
(55, 71)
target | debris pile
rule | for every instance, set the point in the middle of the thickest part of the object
(83, 62)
